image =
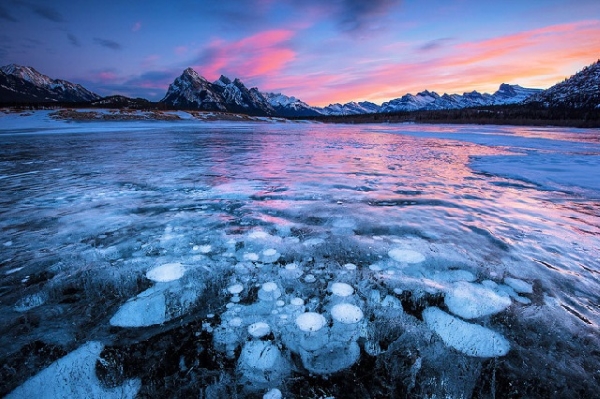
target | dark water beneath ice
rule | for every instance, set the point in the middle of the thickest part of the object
(84, 216)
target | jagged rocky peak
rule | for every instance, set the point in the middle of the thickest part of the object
(191, 91)
(223, 81)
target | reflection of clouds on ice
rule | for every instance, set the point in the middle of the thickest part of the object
(346, 244)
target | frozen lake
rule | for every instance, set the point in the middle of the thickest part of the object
(222, 259)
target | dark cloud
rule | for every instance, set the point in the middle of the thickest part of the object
(111, 44)
(73, 40)
(360, 15)
(5, 15)
(48, 13)
(434, 44)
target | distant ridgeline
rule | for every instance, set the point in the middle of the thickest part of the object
(573, 102)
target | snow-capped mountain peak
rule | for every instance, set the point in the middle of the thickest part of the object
(23, 83)
(192, 91)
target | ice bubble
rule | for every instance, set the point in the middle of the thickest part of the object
(166, 272)
(342, 289)
(273, 394)
(406, 255)
(30, 302)
(398, 291)
(310, 278)
(470, 339)
(346, 313)
(297, 301)
(74, 376)
(270, 255)
(235, 289)
(333, 357)
(391, 302)
(291, 271)
(259, 329)
(310, 322)
(204, 249)
(235, 322)
(469, 300)
(258, 235)
(375, 268)
(350, 266)
(520, 286)
(451, 276)
(313, 242)
(261, 362)
(269, 291)
(250, 256)
(280, 303)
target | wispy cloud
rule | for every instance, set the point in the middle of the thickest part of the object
(5, 15)
(73, 40)
(111, 44)
(49, 13)
(434, 44)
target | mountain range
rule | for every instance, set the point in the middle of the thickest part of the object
(20, 84)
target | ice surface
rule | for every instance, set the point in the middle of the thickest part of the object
(261, 362)
(74, 376)
(470, 339)
(266, 223)
(469, 300)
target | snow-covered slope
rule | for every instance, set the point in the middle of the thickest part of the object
(193, 91)
(581, 90)
(289, 106)
(25, 84)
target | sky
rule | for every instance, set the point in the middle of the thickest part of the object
(320, 51)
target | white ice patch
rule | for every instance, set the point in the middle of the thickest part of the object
(146, 309)
(520, 286)
(74, 376)
(167, 272)
(470, 339)
(406, 255)
(470, 301)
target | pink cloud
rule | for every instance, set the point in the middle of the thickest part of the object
(136, 27)
(535, 58)
(261, 55)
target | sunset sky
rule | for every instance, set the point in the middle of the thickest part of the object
(317, 50)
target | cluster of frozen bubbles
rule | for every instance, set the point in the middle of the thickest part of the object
(288, 311)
